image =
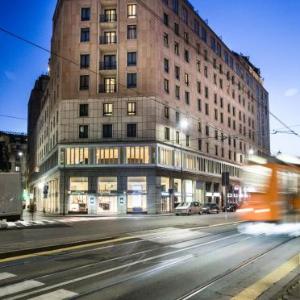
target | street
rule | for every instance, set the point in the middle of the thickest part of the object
(196, 257)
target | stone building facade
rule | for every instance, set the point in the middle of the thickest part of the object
(145, 108)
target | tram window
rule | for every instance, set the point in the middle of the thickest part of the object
(256, 178)
(288, 182)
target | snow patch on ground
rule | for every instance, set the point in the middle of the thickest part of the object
(289, 229)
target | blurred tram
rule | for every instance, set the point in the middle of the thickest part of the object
(273, 189)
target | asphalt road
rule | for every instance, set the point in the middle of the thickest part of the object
(182, 262)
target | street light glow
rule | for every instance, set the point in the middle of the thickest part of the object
(251, 151)
(184, 124)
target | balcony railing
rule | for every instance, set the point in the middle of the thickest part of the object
(107, 89)
(108, 18)
(105, 40)
(108, 66)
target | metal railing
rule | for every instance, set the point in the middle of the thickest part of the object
(108, 18)
(108, 66)
(107, 88)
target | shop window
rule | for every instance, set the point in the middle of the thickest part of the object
(77, 156)
(137, 155)
(107, 156)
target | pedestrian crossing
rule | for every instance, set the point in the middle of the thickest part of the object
(27, 224)
(16, 289)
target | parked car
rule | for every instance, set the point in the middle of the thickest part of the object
(188, 208)
(231, 207)
(210, 208)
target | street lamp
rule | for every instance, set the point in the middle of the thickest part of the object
(183, 126)
(251, 151)
(20, 154)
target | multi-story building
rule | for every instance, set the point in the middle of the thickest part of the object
(13, 153)
(145, 107)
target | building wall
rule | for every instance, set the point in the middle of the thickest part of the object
(223, 118)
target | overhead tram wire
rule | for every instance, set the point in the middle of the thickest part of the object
(14, 35)
(12, 117)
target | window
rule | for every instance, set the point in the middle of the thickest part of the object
(186, 79)
(177, 92)
(166, 19)
(131, 108)
(131, 130)
(83, 110)
(176, 28)
(176, 6)
(167, 112)
(166, 65)
(166, 86)
(107, 130)
(137, 155)
(186, 55)
(205, 71)
(221, 118)
(110, 15)
(198, 66)
(107, 156)
(199, 105)
(77, 156)
(131, 80)
(107, 109)
(206, 92)
(110, 85)
(205, 55)
(167, 133)
(199, 144)
(216, 99)
(185, 15)
(166, 40)
(187, 98)
(199, 127)
(131, 59)
(110, 37)
(206, 109)
(199, 87)
(84, 61)
(177, 72)
(84, 82)
(109, 63)
(177, 117)
(83, 131)
(85, 14)
(187, 140)
(216, 114)
(186, 37)
(131, 11)
(177, 137)
(131, 32)
(207, 130)
(85, 35)
(216, 135)
(176, 48)
(215, 79)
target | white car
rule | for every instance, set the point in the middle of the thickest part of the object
(188, 208)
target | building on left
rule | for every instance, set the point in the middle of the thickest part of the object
(13, 154)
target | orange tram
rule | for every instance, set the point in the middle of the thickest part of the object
(273, 190)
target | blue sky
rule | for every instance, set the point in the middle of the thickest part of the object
(266, 30)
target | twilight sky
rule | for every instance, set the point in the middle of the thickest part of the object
(267, 31)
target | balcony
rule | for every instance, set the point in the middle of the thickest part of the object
(108, 66)
(107, 89)
(108, 18)
(108, 40)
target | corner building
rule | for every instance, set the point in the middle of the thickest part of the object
(144, 109)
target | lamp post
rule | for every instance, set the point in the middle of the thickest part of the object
(183, 126)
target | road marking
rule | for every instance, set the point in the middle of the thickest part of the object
(256, 289)
(19, 287)
(56, 295)
(43, 253)
(4, 276)
(78, 279)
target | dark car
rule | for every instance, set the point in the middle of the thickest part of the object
(210, 208)
(231, 207)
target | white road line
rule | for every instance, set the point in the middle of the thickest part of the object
(19, 287)
(4, 276)
(117, 268)
(56, 295)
